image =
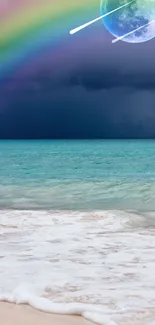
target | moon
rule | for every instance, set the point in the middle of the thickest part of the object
(129, 18)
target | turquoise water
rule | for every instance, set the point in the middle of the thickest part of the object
(81, 175)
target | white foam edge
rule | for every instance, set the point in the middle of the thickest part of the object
(92, 313)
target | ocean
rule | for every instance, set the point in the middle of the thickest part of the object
(77, 228)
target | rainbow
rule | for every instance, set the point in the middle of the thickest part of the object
(31, 27)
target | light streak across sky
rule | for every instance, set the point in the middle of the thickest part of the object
(77, 29)
(133, 31)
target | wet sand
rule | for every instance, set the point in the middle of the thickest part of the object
(12, 314)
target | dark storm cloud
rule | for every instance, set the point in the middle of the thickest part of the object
(79, 114)
(115, 65)
(112, 78)
(106, 94)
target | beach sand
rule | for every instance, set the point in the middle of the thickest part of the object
(11, 314)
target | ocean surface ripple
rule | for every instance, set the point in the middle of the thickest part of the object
(77, 228)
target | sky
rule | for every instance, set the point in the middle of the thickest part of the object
(57, 85)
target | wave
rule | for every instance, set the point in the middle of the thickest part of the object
(107, 194)
(89, 312)
(94, 261)
(12, 221)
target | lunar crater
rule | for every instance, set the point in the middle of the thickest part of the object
(129, 18)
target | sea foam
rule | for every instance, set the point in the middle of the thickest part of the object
(98, 264)
(90, 312)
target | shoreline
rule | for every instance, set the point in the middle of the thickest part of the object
(12, 314)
